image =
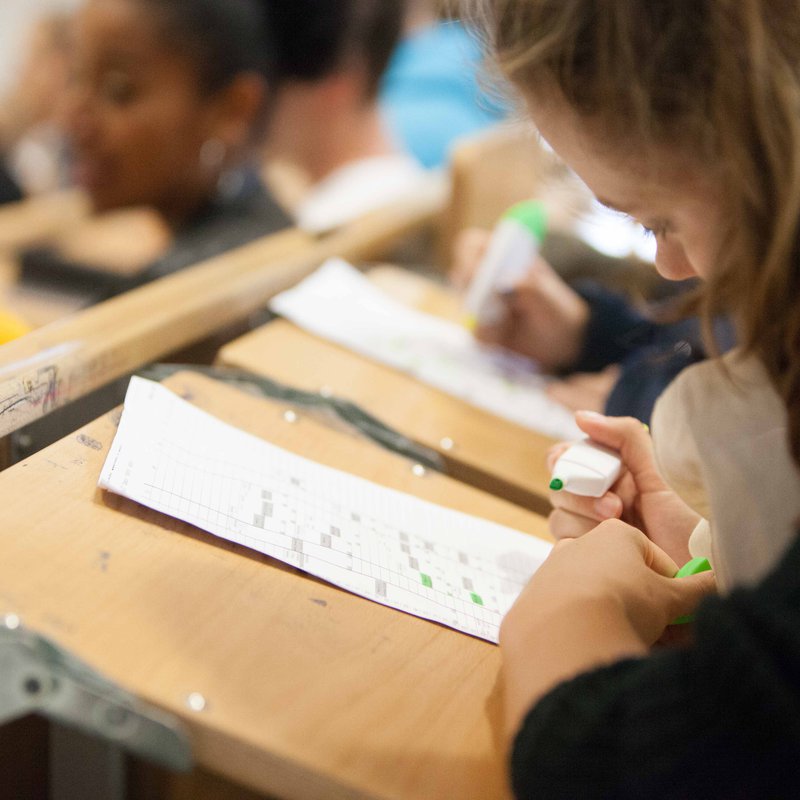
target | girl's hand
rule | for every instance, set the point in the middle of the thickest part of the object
(606, 596)
(640, 496)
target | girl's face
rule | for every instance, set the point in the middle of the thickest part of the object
(674, 197)
(137, 118)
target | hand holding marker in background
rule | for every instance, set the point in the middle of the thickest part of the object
(514, 246)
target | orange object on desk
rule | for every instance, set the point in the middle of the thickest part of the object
(11, 326)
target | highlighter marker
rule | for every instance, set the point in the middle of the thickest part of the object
(693, 567)
(513, 248)
(11, 327)
(586, 468)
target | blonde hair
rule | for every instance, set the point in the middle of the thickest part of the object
(718, 77)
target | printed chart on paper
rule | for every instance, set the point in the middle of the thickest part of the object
(384, 545)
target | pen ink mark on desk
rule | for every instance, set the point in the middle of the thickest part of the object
(105, 557)
(39, 391)
(318, 602)
(380, 643)
(88, 441)
(56, 465)
(59, 624)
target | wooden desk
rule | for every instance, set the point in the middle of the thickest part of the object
(39, 218)
(479, 448)
(36, 305)
(122, 242)
(312, 692)
(69, 358)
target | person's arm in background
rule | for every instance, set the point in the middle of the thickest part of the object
(579, 331)
(719, 718)
(581, 328)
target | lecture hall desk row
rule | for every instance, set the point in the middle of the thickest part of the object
(477, 447)
(311, 692)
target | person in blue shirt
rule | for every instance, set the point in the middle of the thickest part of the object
(432, 93)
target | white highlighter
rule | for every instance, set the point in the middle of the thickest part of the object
(586, 468)
(511, 252)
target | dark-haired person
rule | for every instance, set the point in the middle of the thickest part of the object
(31, 112)
(168, 107)
(327, 122)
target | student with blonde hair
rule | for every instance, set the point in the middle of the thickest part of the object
(685, 115)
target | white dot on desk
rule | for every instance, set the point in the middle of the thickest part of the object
(290, 416)
(196, 702)
(419, 471)
(12, 622)
(447, 443)
(326, 392)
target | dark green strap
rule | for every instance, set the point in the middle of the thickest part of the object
(344, 410)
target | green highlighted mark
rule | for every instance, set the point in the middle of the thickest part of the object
(477, 599)
(426, 580)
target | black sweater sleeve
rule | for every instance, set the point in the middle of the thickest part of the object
(615, 328)
(719, 719)
(649, 354)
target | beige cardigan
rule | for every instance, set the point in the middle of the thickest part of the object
(721, 443)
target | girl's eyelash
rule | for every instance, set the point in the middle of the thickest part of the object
(657, 231)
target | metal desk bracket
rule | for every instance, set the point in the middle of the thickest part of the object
(37, 676)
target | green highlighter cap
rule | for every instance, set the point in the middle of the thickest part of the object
(556, 484)
(531, 214)
(693, 567)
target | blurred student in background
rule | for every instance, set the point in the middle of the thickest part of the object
(169, 105)
(31, 114)
(431, 94)
(327, 124)
(613, 354)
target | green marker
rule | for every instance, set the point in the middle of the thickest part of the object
(511, 252)
(693, 567)
(586, 468)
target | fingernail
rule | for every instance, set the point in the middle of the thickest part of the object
(607, 506)
(589, 415)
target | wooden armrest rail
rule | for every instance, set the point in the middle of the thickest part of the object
(69, 358)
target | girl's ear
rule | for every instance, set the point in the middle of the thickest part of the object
(236, 111)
